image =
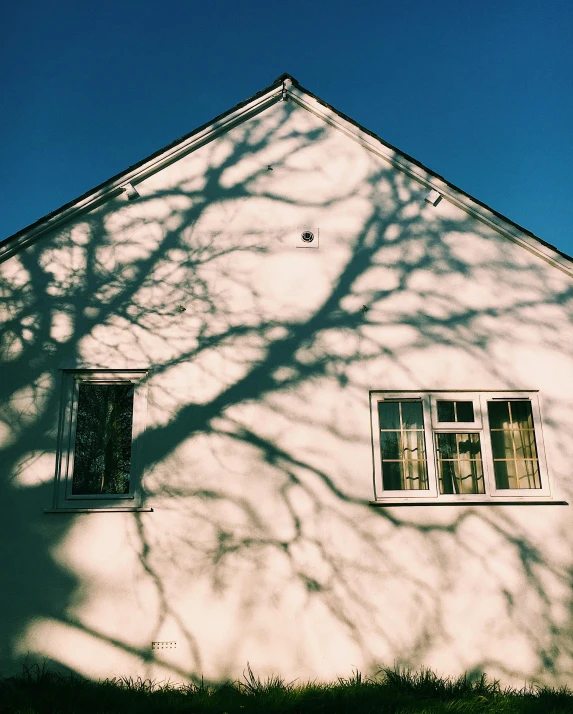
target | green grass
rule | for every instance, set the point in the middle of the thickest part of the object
(392, 691)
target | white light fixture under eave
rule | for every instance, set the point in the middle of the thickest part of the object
(434, 197)
(130, 191)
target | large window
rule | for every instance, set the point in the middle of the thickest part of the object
(458, 446)
(103, 414)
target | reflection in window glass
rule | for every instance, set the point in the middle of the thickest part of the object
(446, 411)
(402, 446)
(102, 454)
(460, 468)
(513, 444)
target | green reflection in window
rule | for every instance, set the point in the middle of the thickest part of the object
(102, 454)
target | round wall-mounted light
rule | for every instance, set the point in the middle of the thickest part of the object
(307, 236)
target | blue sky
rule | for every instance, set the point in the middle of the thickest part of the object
(480, 92)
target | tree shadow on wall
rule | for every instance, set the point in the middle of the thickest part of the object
(264, 519)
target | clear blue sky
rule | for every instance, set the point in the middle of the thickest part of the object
(481, 92)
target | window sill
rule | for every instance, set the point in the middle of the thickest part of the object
(111, 509)
(467, 502)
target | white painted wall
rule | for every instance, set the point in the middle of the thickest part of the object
(262, 547)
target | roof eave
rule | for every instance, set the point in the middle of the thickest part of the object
(432, 180)
(137, 172)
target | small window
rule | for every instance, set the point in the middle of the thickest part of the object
(458, 446)
(102, 420)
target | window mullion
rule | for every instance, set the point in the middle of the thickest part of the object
(431, 453)
(513, 447)
(487, 451)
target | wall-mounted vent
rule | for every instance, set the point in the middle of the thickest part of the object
(307, 237)
(169, 645)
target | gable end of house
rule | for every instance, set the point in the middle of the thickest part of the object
(286, 87)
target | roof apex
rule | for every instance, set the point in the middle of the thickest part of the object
(286, 86)
(283, 76)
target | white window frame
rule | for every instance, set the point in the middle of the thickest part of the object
(64, 499)
(480, 426)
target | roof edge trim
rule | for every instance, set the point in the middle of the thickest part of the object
(116, 185)
(431, 180)
(266, 97)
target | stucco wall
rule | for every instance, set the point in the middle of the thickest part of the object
(262, 547)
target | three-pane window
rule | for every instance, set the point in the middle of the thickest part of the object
(457, 446)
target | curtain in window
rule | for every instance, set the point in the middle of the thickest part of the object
(402, 446)
(513, 444)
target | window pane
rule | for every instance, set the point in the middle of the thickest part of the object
(469, 445)
(502, 444)
(406, 475)
(390, 445)
(447, 475)
(528, 474)
(470, 470)
(392, 476)
(459, 463)
(389, 415)
(412, 415)
(455, 411)
(524, 444)
(402, 445)
(446, 411)
(521, 414)
(447, 447)
(102, 456)
(416, 475)
(513, 444)
(505, 476)
(498, 415)
(413, 442)
(470, 474)
(465, 411)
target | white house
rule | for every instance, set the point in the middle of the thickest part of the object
(279, 394)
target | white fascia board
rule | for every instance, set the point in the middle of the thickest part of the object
(142, 171)
(431, 181)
